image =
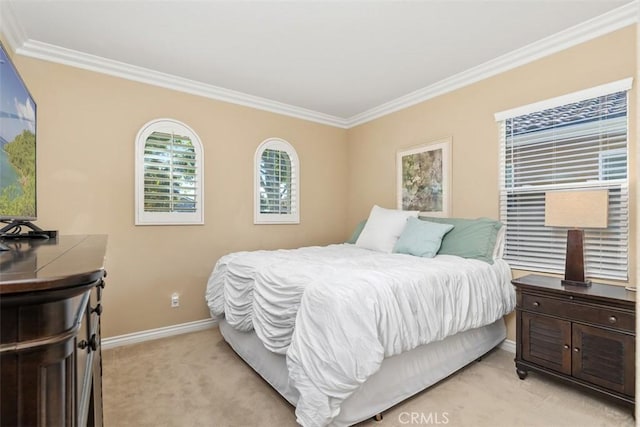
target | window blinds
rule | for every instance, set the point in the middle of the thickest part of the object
(277, 175)
(577, 145)
(276, 189)
(170, 173)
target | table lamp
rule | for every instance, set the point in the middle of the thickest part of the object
(576, 210)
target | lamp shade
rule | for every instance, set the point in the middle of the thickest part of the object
(577, 209)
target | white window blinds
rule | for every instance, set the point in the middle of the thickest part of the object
(577, 145)
(275, 182)
(169, 174)
(276, 186)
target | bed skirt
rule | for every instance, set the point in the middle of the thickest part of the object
(399, 377)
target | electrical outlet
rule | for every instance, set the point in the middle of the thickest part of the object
(175, 300)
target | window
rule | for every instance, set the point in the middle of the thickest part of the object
(169, 174)
(578, 141)
(276, 186)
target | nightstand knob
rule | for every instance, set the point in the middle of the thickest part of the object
(612, 319)
(566, 346)
(536, 304)
(576, 350)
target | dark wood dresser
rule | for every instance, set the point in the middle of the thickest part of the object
(581, 335)
(50, 307)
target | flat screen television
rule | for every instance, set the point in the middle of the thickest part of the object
(17, 151)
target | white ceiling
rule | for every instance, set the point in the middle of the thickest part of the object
(340, 59)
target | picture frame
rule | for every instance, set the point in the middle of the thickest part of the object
(424, 178)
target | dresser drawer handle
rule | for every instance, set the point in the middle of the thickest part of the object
(576, 350)
(612, 319)
(536, 304)
(97, 309)
(93, 342)
(566, 346)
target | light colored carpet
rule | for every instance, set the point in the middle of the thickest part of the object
(197, 380)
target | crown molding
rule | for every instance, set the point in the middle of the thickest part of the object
(48, 52)
(596, 27)
(19, 43)
(588, 30)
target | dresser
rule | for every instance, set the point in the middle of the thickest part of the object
(584, 336)
(50, 309)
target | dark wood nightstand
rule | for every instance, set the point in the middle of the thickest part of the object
(584, 336)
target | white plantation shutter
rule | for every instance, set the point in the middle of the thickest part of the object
(276, 183)
(169, 173)
(580, 144)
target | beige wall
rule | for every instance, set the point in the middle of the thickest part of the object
(467, 115)
(87, 123)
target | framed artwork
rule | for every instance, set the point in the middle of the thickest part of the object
(424, 178)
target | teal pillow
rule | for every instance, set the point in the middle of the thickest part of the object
(421, 238)
(470, 238)
(357, 231)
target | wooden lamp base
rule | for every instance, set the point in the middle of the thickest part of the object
(574, 261)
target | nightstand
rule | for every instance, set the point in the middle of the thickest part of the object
(584, 336)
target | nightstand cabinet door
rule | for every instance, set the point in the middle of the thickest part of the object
(604, 357)
(547, 342)
(584, 336)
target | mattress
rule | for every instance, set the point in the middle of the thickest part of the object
(398, 378)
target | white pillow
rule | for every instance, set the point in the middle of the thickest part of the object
(383, 228)
(498, 251)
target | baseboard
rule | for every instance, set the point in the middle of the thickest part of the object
(508, 345)
(154, 334)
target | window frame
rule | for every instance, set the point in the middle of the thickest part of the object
(277, 144)
(142, 217)
(619, 198)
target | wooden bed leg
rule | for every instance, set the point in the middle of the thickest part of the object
(378, 417)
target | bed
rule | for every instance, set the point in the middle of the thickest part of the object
(344, 331)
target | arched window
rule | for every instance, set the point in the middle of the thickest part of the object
(276, 186)
(169, 174)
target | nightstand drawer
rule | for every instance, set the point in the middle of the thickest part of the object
(603, 316)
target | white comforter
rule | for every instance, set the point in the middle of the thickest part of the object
(351, 308)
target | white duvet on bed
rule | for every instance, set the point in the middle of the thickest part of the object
(261, 290)
(351, 307)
